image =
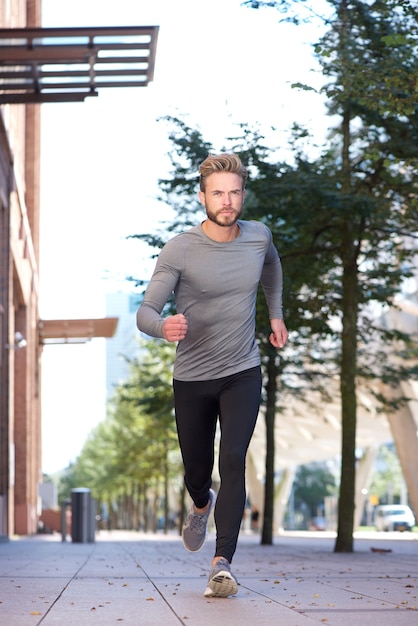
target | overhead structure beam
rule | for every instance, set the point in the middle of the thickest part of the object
(70, 64)
(76, 330)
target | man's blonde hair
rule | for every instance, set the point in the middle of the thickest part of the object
(222, 163)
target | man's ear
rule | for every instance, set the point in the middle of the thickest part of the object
(201, 195)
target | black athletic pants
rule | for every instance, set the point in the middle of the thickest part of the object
(235, 400)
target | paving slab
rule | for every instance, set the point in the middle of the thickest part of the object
(132, 579)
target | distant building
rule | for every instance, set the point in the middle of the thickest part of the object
(124, 345)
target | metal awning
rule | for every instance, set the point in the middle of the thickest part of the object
(76, 330)
(70, 64)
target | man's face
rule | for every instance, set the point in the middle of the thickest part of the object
(223, 198)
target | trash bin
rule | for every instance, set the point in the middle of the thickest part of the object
(83, 516)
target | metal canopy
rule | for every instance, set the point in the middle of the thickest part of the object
(76, 330)
(70, 64)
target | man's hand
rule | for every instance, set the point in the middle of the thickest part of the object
(175, 327)
(279, 335)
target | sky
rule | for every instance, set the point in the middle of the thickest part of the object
(220, 64)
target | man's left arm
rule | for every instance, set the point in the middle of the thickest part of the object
(278, 337)
(272, 282)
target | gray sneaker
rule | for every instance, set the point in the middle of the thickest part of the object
(195, 527)
(221, 583)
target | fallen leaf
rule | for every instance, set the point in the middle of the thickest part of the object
(381, 550)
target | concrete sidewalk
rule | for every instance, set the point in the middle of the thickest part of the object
(141, 579)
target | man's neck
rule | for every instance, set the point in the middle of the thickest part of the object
(220, 233)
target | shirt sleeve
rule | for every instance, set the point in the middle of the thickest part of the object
(272, 281)
(162, 284)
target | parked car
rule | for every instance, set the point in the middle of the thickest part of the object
(394, 517)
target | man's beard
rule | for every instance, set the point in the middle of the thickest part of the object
(230, 221)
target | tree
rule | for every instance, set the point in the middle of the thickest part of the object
(367, 53)
(271, 198)
(285, 198)
(358, 34)
(134, 450)
(387, 477)
(152, 392)
(313, 483)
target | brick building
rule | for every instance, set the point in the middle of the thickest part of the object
(28, 59)
(20, 348)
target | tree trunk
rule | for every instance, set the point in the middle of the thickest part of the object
(271, 391)
(166, 502)
(349, 252)
(344, 542)
(349, 337)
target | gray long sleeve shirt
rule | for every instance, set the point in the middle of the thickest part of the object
(215, 287)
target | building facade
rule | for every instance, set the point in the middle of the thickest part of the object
(28, 53)
(20, 348)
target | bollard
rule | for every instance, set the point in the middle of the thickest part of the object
(65, 504)
(83, 516)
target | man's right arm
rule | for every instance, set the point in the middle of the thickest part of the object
(163, 282)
